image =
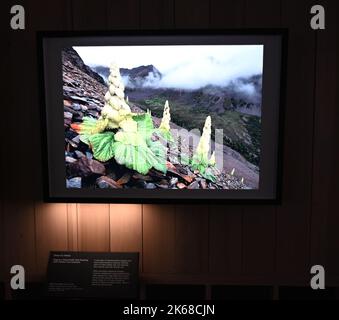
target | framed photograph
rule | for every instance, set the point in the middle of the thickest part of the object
(184, 116)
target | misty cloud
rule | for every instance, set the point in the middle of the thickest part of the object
(185, 67)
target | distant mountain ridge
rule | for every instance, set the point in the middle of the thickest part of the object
(135, 77)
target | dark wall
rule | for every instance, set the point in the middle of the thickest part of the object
(179, 244)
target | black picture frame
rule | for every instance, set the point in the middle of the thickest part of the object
(162, 196)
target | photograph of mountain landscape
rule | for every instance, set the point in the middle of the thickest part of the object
(163, 117)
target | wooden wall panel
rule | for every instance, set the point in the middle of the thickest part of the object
(325, 217)
(191, 222)
(5, 35)
(72, 226)
(259, 251)
(262, 14)
(20, 167)
(93, 227)
(323, 134)
(123, 14)
(126, 227)
(158, 239)
(225, 222)
(51, 225)
(89, 14)
(191, 14)
(191, 232)
(51, 231)
(20, 238)
(259, 242)
(155, 14)
(227, 14)
(247, 242)
(225, 240)
(2, 242)
(93, 219)
(293, 216)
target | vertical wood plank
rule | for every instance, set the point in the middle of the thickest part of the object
(158, 239)
(293, 217)
(259, 223)
(51, 231)
(126, 227)
(262, 13)
(89, 14)
(158, 223)
(227, 14)
(225, 240)
(225, 226)
(22, 169)
(2, 243)
(155, 14)
(123, 14)
(72, 226)
(20, 237)
(191, 239)
(5, 35)
(93, 219)
(191, 14)
(323, 136)
(325, 188)
(191, 222)
(332, 245)
(259, 243)
(93, 227)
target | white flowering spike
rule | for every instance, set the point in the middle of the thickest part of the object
(116, 110)
(127, 101)
(212, 161)
(232, 172)
(242, 180)
(204, 142)
(166, 118)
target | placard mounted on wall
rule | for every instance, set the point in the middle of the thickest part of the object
(161, 116)
(93, 275)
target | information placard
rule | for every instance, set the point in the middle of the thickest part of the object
(93, 275)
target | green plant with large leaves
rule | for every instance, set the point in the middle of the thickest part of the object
(131, 138)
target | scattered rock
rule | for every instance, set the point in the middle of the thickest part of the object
(85, 167)
(76, 107)
(151, 186)
(125, 178)
(68, 115)
(138, 176)
(93, 113)
(79, 99)
(203, 183)
(181, 185)
(105, 182)
(72, 143)
(67, 103)
(70, 159)
(194, 185)
(173, 181)
(73, 183)
(79, 154)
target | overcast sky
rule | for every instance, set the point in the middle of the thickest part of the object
(183, 66)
